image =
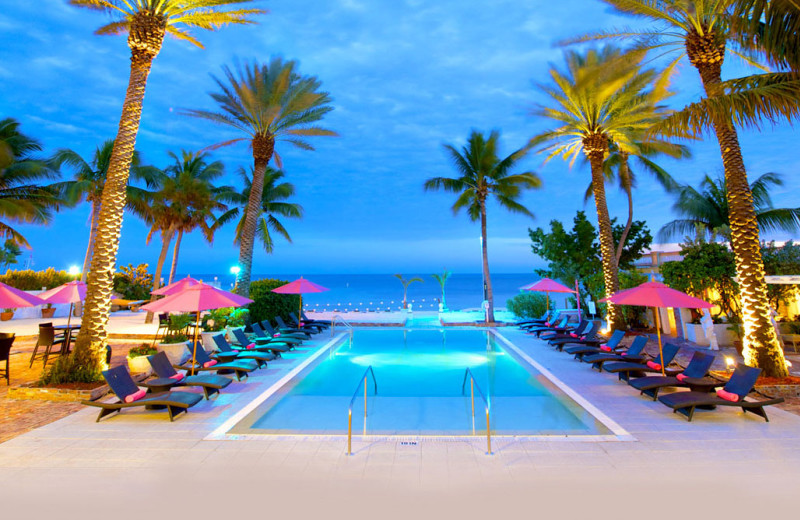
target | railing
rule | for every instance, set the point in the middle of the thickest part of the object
(367, 372)
(343, 322)
(472, 386)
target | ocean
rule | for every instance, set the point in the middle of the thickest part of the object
(384, 291)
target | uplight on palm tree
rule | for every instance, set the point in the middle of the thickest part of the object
(483, 175)
(146, 22)
(268, 103)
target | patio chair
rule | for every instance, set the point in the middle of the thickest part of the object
(260, 344)
(210, 383)
(163, 327)
(625, 370)
(794, 339)
(6, 340)
(735, 393)
(224, 349)
(580, 349)
(633, 354)
(130, 395)
(47, 340)
(693, 376)
(204, 363)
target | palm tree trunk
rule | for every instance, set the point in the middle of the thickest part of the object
(597, 144)
(761, 346)
(145, 39)
(166, 240)
(263, 146)
(175, 253)
(486, 276)
(88, 258)
(625, 178)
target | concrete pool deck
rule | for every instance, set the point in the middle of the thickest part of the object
(728, 462)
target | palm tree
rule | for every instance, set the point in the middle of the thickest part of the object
(22, 200)
(405, 283)
(706, 210)
(442, 279)
(87, 185)
(603, 99)
(146, 22)
(268, 103)
(700, 32)
(482, 174)
(273, 205)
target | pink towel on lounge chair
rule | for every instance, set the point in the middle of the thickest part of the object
(728, 396)
(209, 364)
(135, 396)
(573, 334)
(177, 377)
(681, 377)
(251, 346)
(654, 366)
(623, 354)
(605, 348)
(276, 335)
(547, 323)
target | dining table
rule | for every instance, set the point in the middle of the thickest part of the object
(67, 331)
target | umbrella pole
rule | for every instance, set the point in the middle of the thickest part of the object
(660, 349)
(578, 299)
(194, 350)
(547, 294)
(300, 312)
(68, 334)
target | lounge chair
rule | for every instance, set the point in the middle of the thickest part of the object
(204, 364)
(259, 344)
(626, 369)
(130, 395)
(693, 376)
(587, 336)
(633, 354)
(284, 328)
(259, 357)
(568, 332)
(210, 383)
(265, 332)
(583, 348)
(740, 384)
(309, 320)
(546, 328)
(549, 316)
(313, 323)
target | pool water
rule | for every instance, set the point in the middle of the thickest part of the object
(419, 375)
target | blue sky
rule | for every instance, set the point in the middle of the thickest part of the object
(406, 76)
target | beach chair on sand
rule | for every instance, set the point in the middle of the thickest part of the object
(693, 376)
(259, 344)
(734, 393)
(210, 383)
(583, 348)
(626, 369)
(130, 395)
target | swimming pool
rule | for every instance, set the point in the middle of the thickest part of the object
(419, 374)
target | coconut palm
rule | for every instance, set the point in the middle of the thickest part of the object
(89, 177)
(405, 283)
(706, 210)
(269, 103)
(22, 200)
(772, 26)
(146, 22)
(484, 175)
(274, 204)
(603, 99)
(700, 32)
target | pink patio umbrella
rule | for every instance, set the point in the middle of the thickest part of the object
(11, 298)
(176, 287)
(197, 298)
(656, 294)
(70, 292)
(300, 286)
(546, 285)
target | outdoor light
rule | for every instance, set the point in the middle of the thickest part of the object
(235, 270)
(729, 361)
(74, 270)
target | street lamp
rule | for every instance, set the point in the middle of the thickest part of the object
(235, 270)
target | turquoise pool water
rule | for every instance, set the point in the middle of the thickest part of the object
(419, 376)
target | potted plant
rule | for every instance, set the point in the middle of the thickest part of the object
(48, 310)
(735, 326)
(176, 347)
(137, 359)
(213, 323)
(237, 319)
(7, 314)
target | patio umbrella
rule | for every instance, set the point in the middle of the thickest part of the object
(11, 298)
(197, 298)
(656, 294)
(546, 285)
(176, 287)
(70, 293)
(300, 286)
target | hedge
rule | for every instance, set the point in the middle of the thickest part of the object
(30, 280)
(267, 304)
(527, 305)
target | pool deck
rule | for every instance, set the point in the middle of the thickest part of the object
(722, 463)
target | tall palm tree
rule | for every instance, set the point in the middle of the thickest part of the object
(274, 204)
(267, 102)
(22, 199)
(706, 210)
(484, 175)
(146, 22)
(88, 181)
(405, 283)
(442, 279)
(699, 31)
(603, 99)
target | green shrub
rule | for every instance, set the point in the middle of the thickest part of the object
(179, 322)
(215, 320)
(238, 317)
(30, 280)
(133, 283)
(69, 369)
(145, 349)
(171, 339)
(267, 304)
(527, 305)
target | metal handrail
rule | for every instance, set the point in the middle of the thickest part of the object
(368, 371)
(342, 321)
(472, 386)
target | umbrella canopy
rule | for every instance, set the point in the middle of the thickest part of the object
(176, 287)
(11, 298)
(71, 292)
(300, 286)
(656, 294)
(547, 285)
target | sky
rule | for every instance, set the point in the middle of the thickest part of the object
(406, 77)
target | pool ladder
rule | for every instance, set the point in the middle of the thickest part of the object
(363, 379)
(473, 385)
(343, 322)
